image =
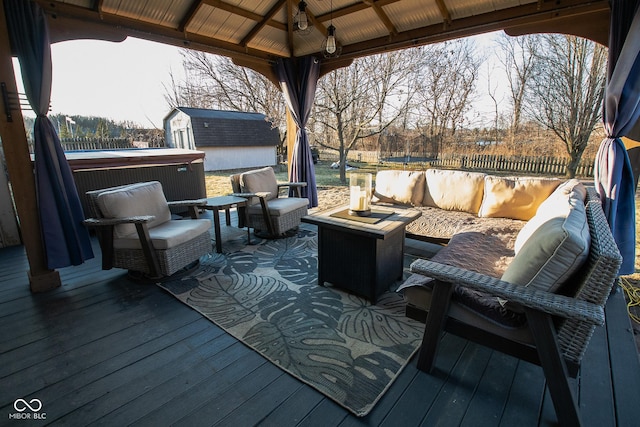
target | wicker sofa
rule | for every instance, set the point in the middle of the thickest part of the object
(484, 221)
(538, 297)
(451, 200)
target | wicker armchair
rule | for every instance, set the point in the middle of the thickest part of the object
(269, 215)
(558, 327)
(135, 230)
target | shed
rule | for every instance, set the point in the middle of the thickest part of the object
(229, 139)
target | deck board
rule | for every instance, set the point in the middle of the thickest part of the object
(103, 349)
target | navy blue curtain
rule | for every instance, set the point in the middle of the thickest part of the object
(613, 173)
(298, 79)
(65, 239)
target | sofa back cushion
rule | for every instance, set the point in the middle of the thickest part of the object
(260, 180)
(516, 198)
(145, 198)
(453, 190)
(399, 187)
(554, 243)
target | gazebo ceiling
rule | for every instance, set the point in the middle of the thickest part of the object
(255, 32)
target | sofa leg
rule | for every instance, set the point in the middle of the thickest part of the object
(441, 299)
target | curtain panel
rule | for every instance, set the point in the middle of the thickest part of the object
(66, 240)
(298, 80)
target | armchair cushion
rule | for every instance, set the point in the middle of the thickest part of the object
(146, 198)
(260, 180)
(280, 206)
(167, 235)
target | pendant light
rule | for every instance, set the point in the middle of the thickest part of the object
(330, 48)
(301, 20)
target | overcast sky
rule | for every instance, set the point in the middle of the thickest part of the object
(124, 81)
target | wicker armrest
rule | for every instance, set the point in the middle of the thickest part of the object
(558, 305)
(292, 184)
(187, 203)
(102, 222)
(261, 194)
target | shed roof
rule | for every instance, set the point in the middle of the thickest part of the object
(216, 128)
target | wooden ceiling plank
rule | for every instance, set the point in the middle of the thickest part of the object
(382, 16)
(356, 7)
(262, 22)
(188, 17)
(528, 14)
(444, 11)
(219, 4)
(73, 17)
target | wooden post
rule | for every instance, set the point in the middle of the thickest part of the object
(292, 130)
(20, 169)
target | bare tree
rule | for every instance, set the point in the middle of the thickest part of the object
(216, 82)
(362, 100)
(568, 91)
(447, 78)
(517, 55)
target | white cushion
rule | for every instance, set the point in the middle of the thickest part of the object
(167, 235)
(400, 187)
(454, 190)
(145, 198)
(552, 245)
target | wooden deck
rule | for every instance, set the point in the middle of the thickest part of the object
(105, 350)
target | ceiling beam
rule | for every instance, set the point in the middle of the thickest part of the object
(262, 22)
(382, 16)
(357, 7)
(188, 17)
(444, 11)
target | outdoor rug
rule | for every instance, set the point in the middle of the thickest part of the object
(266, 295)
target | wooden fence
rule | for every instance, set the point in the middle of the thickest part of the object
(542, 165)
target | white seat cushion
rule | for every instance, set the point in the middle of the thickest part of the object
(280, 206)
(166, 235)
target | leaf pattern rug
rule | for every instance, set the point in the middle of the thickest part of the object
(266, 295)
